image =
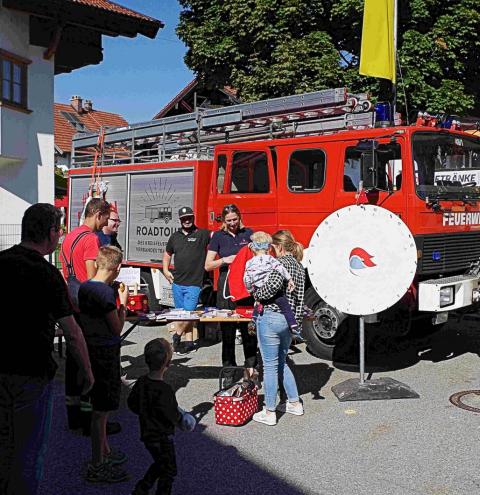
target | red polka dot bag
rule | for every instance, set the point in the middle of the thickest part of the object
(236, 409)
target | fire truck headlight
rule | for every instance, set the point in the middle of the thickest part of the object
(447, 296)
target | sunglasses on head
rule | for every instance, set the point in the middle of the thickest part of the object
(230, 207)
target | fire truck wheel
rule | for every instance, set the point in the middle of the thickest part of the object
(146, 278)
(326, 328)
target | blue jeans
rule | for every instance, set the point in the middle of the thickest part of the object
(25, 417)
(274, 339)
(186, 296)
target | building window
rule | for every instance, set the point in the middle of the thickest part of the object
(13, 77)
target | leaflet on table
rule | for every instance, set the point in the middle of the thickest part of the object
(218, 313)
(180, 314)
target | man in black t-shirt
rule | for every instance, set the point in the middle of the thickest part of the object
(189, 245)
(38, 298)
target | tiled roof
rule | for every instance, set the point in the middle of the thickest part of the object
(92, 120)
(114, 7)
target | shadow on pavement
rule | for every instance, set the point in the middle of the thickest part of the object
(179, 374)
(388, 353)
(311, 378)
(205, 466)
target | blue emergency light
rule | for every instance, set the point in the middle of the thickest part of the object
(447, 122)
(383, 112)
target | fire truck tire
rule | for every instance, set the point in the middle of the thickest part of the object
(327, 327)
(146, 278)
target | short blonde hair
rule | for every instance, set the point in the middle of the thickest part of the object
(260, 238)
(109, 257)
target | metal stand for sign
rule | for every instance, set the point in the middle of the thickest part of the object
(376, 389)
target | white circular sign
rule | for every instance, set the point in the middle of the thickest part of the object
(362, 259)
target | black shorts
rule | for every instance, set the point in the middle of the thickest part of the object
(105, 394)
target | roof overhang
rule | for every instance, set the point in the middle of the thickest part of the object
(73, 30)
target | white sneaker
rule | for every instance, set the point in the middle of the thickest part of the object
(269, 419)
(288, 407)
(238, 337)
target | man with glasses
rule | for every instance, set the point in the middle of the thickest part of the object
(27, 367)
(189, 248)
(108, 235)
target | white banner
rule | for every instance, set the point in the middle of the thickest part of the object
(463, 176)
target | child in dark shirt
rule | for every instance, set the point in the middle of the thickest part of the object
(155, 403)
(101, 324)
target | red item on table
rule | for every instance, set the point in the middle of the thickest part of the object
(137, 302)
(236, 272)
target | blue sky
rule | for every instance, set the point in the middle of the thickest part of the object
(138, 76)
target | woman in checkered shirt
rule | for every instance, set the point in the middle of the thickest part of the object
(273, 333)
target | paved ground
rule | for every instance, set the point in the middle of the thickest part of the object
(422, 446)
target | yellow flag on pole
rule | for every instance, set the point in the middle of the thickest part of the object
(377, 56)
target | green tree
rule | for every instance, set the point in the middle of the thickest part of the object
(268, 48)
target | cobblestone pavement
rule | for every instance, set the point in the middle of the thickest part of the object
(419, 446)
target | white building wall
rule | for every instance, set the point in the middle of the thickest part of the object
(26, 139)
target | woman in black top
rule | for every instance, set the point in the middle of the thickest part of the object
(225, 244)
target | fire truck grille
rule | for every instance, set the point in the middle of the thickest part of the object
(448, 253)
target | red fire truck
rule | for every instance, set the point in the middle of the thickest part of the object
(288, 163)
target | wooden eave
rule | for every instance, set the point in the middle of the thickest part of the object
(72, 31)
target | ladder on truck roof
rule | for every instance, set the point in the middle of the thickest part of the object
(193, 135)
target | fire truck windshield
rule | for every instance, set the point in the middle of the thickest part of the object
(446, 166)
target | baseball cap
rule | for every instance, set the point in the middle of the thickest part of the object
(185, 211)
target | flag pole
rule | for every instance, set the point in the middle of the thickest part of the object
(394, 84)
